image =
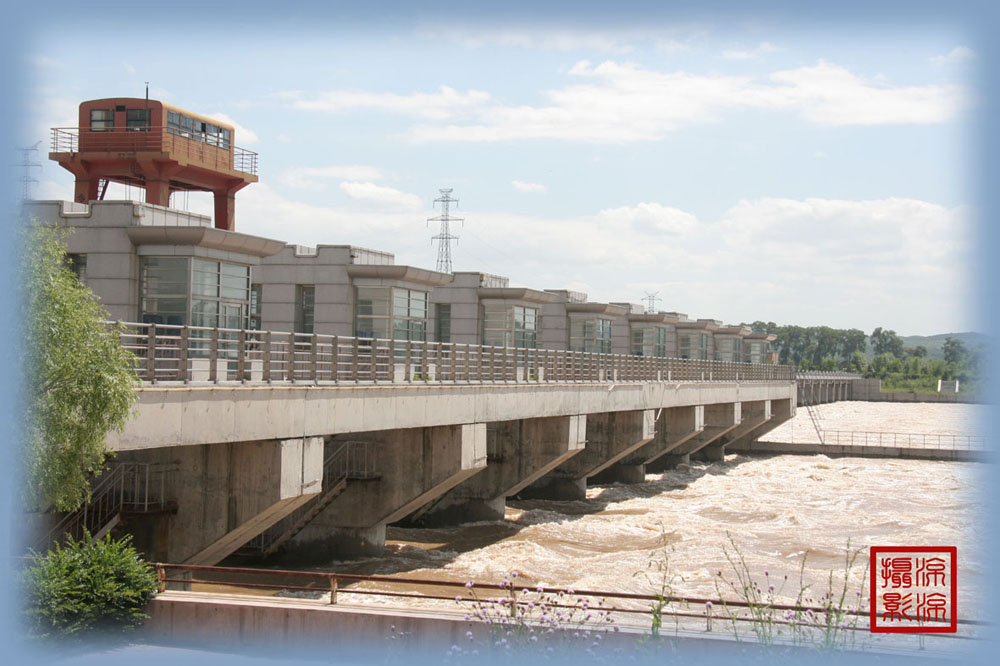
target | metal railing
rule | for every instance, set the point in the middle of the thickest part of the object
(824, 374)
(130, 486)
(186, 354)
(472, 594)
(213, 153)
(904, 440)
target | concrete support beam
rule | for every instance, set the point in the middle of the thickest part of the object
(266, 482)
(720, 419)
(518, 453)
(754, 414)
(675, 426)
(229, 493)
(781, 411)
(416, 466)
(611, 436)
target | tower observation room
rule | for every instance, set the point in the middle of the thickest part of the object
(157, 147)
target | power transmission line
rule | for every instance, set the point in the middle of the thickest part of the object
(28, 162)
(444, 236)
(651, 299)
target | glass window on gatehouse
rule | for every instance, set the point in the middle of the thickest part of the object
(510, 326)
(390, 313)
(590, 335)
(649, 341)
(180, 291)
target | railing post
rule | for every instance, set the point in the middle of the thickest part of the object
(407, 357)
(267, 357)
(335, 360)
(291, 356)
(313, 357)
(213, 355)
(354, 359)
(182, 361)
(241, 353)
(151, 353)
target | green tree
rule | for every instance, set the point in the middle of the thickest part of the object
(954, 350)
(915, 352)
(884, 364)
(858, 362)
(885, 341)
(852, 340)
(80, 381)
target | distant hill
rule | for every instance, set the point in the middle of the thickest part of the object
(934, 343)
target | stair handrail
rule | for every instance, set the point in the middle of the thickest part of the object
(109, 494)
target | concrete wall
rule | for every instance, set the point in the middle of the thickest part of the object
(326, 270)
(100, 233)
(463, 295)
(343, 633)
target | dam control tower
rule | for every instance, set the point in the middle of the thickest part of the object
(155, 146)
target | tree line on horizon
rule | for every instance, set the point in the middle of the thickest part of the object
(897, 365)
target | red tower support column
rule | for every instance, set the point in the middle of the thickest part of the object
(225, 205)
(86, 188)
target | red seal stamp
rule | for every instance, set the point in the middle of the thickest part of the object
(914, 589)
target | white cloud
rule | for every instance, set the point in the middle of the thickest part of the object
(756, 53)
(900, 263)
(445, 103)
(827, 94)
(623, 102)
(381, 196)
(313, 177)
(651, 218)
(528, 187)
(957, 55)
(243, 136)
(128, 68)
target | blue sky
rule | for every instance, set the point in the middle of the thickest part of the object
(792, 172)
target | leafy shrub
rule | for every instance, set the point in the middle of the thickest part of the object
(85, 588)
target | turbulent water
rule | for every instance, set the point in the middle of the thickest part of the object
(778, 512)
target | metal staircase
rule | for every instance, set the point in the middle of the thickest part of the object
(124, 486)
(349, 461)
(815, 417)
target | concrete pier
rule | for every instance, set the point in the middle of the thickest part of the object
(780, 411)
(518, 453)
(416, 466)
(610, 437)
(231, 493)
(720, 419)
(753, 415)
